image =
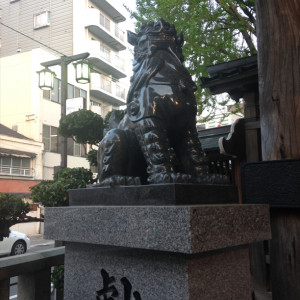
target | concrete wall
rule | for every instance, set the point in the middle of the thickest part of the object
(20, 16)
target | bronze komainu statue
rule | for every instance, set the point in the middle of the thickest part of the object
(157, 140)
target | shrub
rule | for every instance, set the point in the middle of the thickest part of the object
(12, 211)
(55, 192)
(57, 277)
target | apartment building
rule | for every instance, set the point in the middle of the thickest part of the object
(37, 31)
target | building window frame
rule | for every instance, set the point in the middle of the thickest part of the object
(16, 166)
(75, 149)
(53, 95)
(104, 22)
(41, 20)
(50, 138)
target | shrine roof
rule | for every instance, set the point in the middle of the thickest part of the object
(235, 77)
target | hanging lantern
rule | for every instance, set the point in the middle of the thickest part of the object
(82, 69)
(46, 79)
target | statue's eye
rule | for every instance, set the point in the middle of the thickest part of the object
(142, 41)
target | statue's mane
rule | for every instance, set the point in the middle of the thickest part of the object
(160, 35)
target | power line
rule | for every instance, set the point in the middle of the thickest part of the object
(32, 39)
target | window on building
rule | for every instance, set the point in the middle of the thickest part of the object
(95, 103)
(119, 33)
(119, 62)
(75, 92)
(104, 52)
(83, 94)
(105, 83)
(41, 19)
(18, 166)
(53, 95)
(120, 91)
(74, 148)
(104, 22)
(50, 138)
(70, 91)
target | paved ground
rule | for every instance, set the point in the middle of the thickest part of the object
(38, 240)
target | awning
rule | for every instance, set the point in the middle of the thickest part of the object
(16, 153)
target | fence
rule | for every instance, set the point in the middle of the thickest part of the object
(33, 271)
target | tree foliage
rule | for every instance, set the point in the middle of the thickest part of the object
(84, 126)
(58, 277)
(13, 210)
(92, 157)
(118, 116)
(55, 192)
(215, 31)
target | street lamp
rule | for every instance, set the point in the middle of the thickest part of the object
(46, 79)
(44, 84)
(82, 69)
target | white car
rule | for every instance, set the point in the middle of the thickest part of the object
(17, 243)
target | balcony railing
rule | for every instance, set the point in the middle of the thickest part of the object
(105, 89)
(11, 171)
(33, 271)
(119, 33)
(105, 29)
(105, 59)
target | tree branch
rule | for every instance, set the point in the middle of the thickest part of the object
(232, 10)
(247, 12)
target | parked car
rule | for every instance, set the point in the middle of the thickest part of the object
(17, 243)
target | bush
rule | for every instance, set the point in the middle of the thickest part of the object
(85, 126)
(57, 277)
(79, 176)
(12, 211)
(92, 157)
(118, 116)
(55, 192)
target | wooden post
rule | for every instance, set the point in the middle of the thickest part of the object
(278, 32)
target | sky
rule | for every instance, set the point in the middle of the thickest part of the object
(129, 23)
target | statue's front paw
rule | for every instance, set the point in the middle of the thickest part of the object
(169, 177)
(120, 180)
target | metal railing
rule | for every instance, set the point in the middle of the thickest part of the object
(33, 271)
(7, 170)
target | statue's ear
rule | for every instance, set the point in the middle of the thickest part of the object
(132, 38)
(180, 39)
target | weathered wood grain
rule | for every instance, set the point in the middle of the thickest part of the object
(285, 254)
(278, 31)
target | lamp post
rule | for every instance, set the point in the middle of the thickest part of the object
(64, 61)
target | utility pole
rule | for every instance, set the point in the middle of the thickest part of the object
(64, 61)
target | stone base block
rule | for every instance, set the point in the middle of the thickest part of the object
(155, 275)
(156, 194)
(193, 252)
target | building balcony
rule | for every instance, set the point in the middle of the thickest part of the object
(11, 171)
(104, 29)
(109, 8)
(104, 59)
(104, 89)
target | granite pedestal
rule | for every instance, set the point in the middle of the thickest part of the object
(157, 252)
